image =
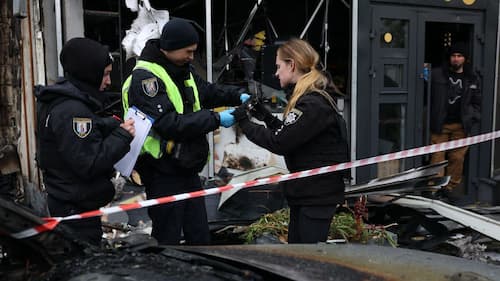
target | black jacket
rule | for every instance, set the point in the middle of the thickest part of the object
(187, 130)
(470, 102)
(310, 137)
(76, 148)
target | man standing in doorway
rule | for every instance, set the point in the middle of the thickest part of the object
(455, 109)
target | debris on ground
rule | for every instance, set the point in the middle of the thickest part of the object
(348, 225)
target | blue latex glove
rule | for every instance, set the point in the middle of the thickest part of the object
(226, 118)
(244, 97)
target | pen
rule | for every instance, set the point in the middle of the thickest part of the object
(117, 118)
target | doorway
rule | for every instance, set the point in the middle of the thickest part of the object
(439, 36)
(395, 115)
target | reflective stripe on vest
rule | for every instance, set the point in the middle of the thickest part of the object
(152, 144)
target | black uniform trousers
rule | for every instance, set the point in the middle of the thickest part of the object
(89, 229)
(172, 219)
(309, 224)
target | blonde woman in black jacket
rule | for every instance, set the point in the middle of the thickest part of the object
(312, 135)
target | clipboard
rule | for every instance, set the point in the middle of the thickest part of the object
(142, 125)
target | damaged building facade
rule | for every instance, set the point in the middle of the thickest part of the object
(21, 66)
(378, 53)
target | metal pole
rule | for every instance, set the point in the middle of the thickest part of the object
(272, 28)
(311, 19)
(120, 49)
(354, 82)
(226, 41)
(208, 28)
(326, 44)
(495, 98)
(59, 39)
(427, 78)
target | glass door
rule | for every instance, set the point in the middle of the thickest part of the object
(393, 93)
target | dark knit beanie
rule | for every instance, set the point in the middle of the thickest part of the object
(459, 48)
(85, 59)
(177, 34)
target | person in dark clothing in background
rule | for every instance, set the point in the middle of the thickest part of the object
(455, 109)
(164, 85)
(312, 135)
(76, 148)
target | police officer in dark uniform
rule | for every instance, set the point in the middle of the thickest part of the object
(77, 148)
(312, 135)
(164, 86)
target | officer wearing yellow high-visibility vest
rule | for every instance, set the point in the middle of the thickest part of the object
(164, 86)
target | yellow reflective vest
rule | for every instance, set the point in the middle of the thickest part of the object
(152, 145)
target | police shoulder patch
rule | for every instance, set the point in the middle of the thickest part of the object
(150, 86)
(292, 116)
(82, 127)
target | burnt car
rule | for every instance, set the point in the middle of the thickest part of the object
(54, 255)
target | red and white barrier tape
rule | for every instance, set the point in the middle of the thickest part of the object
(53, 222)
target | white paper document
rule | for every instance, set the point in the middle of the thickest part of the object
(142, 125)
